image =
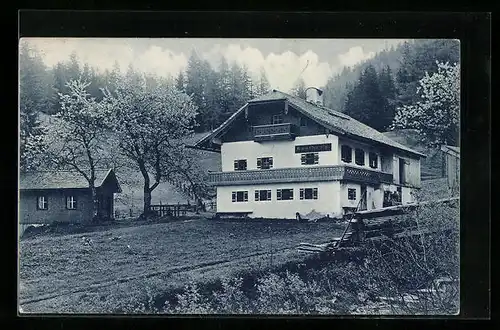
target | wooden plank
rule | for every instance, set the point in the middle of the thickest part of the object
(399, 209)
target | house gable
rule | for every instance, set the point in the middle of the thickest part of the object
(110, 183)
(259, 114)
(329, 120)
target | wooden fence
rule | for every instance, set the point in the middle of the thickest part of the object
(175, 210)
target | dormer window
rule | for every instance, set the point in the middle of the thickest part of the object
(277, 119)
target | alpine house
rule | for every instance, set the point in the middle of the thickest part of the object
(284, 157)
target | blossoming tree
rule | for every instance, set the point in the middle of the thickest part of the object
(77, 138)
(150, 124)
(436, 117)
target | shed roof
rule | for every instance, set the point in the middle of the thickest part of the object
(452, 150)
(334, 120)
(62, 179)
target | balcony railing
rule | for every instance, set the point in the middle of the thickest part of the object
(299, 174)
(284, 131)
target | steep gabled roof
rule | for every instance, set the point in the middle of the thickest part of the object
(331, 119)
(63, 180)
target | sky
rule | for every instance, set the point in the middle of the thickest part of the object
(284, 60)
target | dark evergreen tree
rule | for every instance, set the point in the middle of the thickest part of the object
(366, 102)
(33, 99)
(246, 85)
(263, 85)
(388, 90)
(180, 82)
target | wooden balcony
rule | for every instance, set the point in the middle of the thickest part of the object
(286, 131)
(299, 174)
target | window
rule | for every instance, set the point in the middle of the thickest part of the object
(265, 163)
(240, 196)
(304, 121)
(346, 154)
(277, 119)
(373, 160)
(262, 195)
(42, 203)
(360, 157)
(351, 194)
(240, 165)
(71, 202)
(308, 193)
(309, 159)
(284, 194)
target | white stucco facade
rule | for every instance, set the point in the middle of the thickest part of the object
(334, 196)
(283, 152)
(328, 201)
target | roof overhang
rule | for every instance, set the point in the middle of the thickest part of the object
(211, 142)
(207, 143)
(383, 145)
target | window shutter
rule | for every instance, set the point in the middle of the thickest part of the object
(235, 165)
(259, 163)
(256, 195)
(245, 196)
(303, 159)
(301, 193)
(316, 158)
(270, 162)
(315, 193)
(278, 194)
(234, 196)
(269, 194)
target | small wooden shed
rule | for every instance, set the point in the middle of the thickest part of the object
(452, 165)
(64, 196)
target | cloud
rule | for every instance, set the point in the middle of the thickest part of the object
(354, 55)
(99, 53)
(161, 61)
(282, 70)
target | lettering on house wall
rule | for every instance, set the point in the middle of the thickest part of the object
(313, 148)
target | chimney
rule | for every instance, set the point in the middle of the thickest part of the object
(314, 95)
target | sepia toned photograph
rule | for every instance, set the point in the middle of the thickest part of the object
(182, 176)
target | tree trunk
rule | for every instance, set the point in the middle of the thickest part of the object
(146, 190)
(147, 200)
